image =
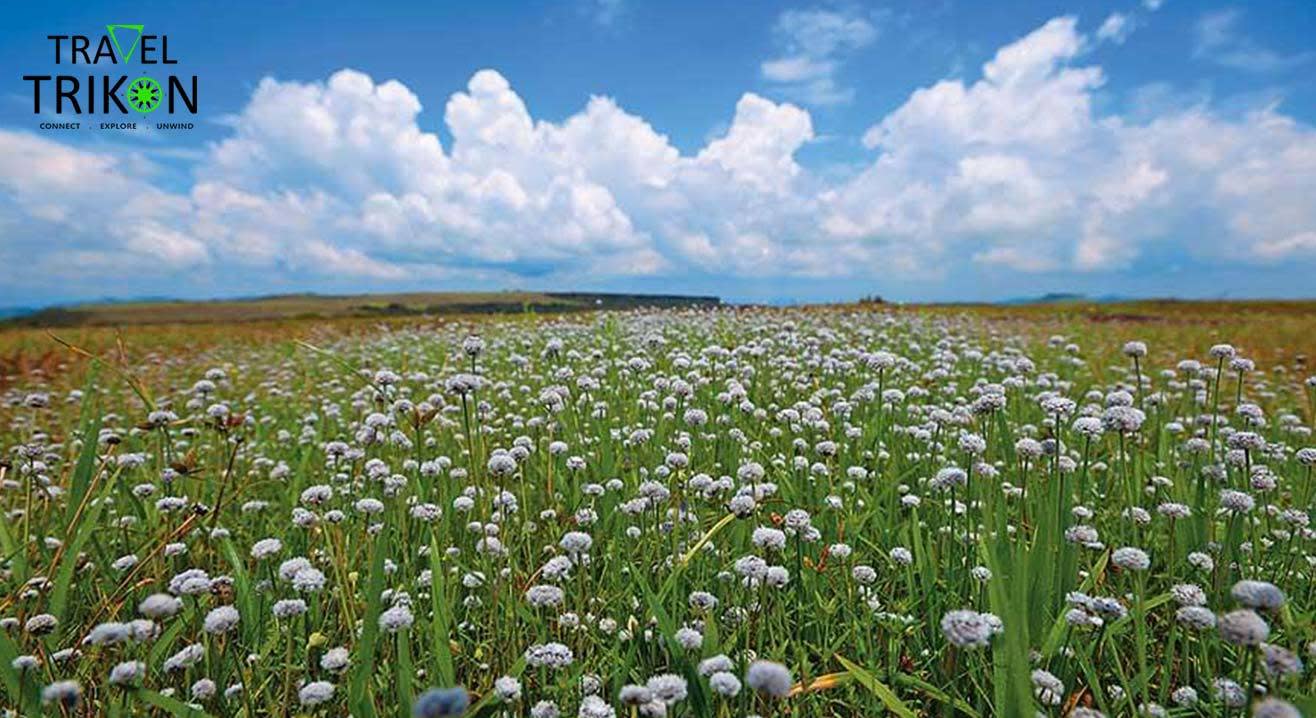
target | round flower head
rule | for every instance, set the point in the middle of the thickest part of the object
(502, 465)
(63, 693)
(949, 478)
(1089, 426)
(266, 548)
(549, 655)
(1197, 618)
(1048, 689)
(128, 673)
(288, 608)
(1229, 692)
(396, 618)
(595, 707)
(576, 542)
(204, 689)
(769, 678)
(315, 693)
(508, 689)
(1258, 594)
(1275, 708)
(541, 595)
(1236, 502)
(335, 659)
(41, 624)
(967, 629)
(715, 664)
(635, 695)
(1131, 558)
(1280, 661)
(1188, 594)
(545, 709)
(221, 620)
(1243, 628)
(667, 687)
(1201, 561)
(724, 684)
(689, 638)
(187, 657)
(769, 538)
(1123, 419)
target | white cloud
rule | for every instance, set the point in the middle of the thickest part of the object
(1013, 171)
(813, 45)
(1018, 170)
(1219, 39)
(1018, 258)
(759, 149)
(1115, 28)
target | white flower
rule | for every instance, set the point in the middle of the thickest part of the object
(335, 660)
(770, 679)
(221, 620)
(396, 618)
(128, 673)
(967, 629)
(315, 693)
(266, 548)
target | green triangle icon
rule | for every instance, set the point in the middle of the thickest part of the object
(114, 38)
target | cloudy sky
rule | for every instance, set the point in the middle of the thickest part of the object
(764, 151)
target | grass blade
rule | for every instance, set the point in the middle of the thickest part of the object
(877, 688)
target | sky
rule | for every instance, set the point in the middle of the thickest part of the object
(760, 151)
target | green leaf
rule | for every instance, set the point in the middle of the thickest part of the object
(935, 693)
(515, 671)
(438, 598)
(362, 671)
(405, 674)
(77, 538)
(172, 706)
(1008, 596)
(246, 597)
(1057, 632)
(877, 688)
(85, 468)
(8, 652)
(162, 644)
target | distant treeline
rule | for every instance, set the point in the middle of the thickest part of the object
(331, 307)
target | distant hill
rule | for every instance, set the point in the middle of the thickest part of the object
(1065, 298)
(7, 312)
(321, 306)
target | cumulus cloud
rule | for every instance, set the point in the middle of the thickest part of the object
(1017, 170)
(1014, 171)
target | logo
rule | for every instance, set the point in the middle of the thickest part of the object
(144, 95)
(114, 38)
(124, 73)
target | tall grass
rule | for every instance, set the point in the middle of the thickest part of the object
(913, 514)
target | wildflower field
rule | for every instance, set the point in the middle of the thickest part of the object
(724, 512)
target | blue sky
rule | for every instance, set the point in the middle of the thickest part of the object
(758, 150)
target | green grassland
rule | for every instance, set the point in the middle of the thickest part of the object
(1068, 510)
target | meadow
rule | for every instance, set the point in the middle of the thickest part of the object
(845, 511)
